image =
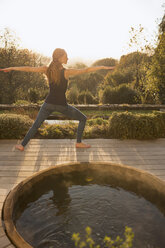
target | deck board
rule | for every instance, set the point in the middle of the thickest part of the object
(15, 166)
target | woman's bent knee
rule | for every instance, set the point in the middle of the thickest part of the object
(83, 118)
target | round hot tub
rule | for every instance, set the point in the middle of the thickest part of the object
(44, 210)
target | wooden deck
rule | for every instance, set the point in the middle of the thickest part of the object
(15, 166)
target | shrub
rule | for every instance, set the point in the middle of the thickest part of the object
(122, 125)
(136, 126)
(86, 97)
(107, 241)
(40, 102)
(55, 131)
(33, 95)
(118, 95)
(22, 102)
(72, 95)
(13, 126)
(119, 77)
(95, 131)
(96, 121)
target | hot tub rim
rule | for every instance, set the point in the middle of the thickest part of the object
(8, 206)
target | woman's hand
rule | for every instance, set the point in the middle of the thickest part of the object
(6, 69)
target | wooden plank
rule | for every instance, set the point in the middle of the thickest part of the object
(113, 156)
(2, 232)
(108, 158)
(159, 140)
(4, 241)
(6, 156)
(67, 148)
(9, 141)
(34, 142)
(34, 152)
(22, 168)
(7, 186)
(15, 173)
(2, 198)
(1, 223)
(11, 180)
(4, 192)
(98, 142)
(113, 151)
(95, 144)
(162, 177)
(150, 167)
(1, 205)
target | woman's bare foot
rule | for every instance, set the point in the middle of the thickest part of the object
(19, 147)
(82, 145)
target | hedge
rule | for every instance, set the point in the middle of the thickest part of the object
(56, 131)
(119, 95)
(13, 126)
(123, 125)
(136, 126)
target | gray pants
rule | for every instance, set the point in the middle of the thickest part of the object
(46, 109)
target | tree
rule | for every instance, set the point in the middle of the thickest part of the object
(105, 62)
(8, 38)
(79, 65)
(9, 45)
(154, 75)
(72, 95)
(127, 71)
(14, 85)
(86, 82)
(143, 52)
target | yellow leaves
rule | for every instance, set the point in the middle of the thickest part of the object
(88, 179)
(88, 231)
(76, 238)
(107, 241)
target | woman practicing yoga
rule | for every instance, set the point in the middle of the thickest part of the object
(56, 100)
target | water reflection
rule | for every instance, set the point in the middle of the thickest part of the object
(61, 122)
(61, 198)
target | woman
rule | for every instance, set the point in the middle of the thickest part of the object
(56, 100)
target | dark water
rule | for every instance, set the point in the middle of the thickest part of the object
(63, 204)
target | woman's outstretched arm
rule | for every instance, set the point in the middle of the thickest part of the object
(72, 72)
(41, 69)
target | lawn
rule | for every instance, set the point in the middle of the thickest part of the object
(89, 113)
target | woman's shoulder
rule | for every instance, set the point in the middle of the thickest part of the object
(66, 74)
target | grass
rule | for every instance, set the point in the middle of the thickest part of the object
(89, 113)
(109, 112)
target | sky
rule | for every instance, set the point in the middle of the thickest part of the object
(86, 29)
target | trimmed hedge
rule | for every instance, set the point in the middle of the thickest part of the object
(136, 126)
(96, 131)
(119, 95)
(123, 125)
(86, 97)
(96, 121)
(56, 131)
(13, 126)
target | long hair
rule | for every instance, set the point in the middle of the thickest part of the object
(54, 69)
